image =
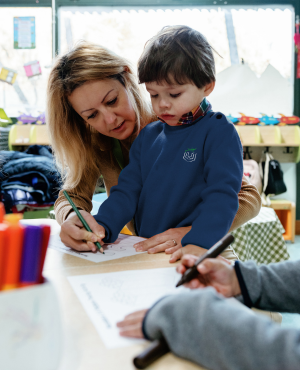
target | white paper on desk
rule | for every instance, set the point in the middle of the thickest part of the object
(108, 298)
(122, 247)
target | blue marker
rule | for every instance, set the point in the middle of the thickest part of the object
(31, 255)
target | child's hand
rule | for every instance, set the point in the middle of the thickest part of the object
(74, 235)
(131, 326)
(168, 241)
(215, 272)
(188, 249)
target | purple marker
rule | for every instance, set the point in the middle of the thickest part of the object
(31, 255)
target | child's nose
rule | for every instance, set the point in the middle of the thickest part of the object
(164, 103)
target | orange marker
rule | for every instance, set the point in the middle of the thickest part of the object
(2, 212)
(13, 251)
(3, 249)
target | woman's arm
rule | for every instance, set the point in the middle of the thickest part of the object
(72, 232)
(249, 204)
(63, 209)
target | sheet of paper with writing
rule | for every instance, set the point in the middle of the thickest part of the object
(108, 298)
(122, 247)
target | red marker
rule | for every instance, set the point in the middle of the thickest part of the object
(2, 212)
(44, 246)
(3, 249)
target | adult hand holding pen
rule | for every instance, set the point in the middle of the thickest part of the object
(218, 273)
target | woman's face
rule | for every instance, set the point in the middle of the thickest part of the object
(105, 106)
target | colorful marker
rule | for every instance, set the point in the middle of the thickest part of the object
(46, 231)
(14, 251)
(31, 255)
(3, 250)
(2, 212)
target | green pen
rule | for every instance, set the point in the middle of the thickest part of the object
(84, 223)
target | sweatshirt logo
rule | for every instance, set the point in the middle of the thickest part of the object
(189, 155)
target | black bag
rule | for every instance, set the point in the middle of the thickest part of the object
(272, 176)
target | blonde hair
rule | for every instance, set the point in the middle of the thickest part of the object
(75, 143)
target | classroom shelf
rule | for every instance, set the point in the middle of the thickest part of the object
(283, 142)
(25, 135)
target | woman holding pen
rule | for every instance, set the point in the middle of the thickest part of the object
(197, 325)
(93, 99)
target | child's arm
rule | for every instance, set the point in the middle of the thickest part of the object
(120, 207)
(223, 172)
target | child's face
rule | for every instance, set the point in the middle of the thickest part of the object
(171, 102)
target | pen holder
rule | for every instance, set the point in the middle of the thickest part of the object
(30, 328)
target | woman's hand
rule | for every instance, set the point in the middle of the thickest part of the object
(188, 249)
(216, 272)
(131, 326)
(168, 241)
(74, 235)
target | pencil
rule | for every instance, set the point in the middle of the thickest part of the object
(84, 223)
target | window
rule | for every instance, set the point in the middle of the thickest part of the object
(27, 94)
(261, 37)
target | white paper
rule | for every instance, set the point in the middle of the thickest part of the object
(108, 298)
(122, 247)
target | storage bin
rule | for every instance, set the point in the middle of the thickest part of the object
(30, 328)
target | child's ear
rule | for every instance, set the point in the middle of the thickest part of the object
(209, 88)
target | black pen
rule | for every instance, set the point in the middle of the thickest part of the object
(157, 349)
(213, 252)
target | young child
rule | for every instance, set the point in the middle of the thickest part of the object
(185, 169)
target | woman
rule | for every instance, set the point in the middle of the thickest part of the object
(93, 98)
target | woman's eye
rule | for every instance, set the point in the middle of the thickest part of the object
(175, 95)
(112, 102)
(154, 96)
(92, 115)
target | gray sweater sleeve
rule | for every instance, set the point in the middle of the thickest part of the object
(205, 328)
(274, 287)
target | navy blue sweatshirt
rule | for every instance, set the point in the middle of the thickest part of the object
(179, 176)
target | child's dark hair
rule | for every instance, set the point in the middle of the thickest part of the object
(177, 54)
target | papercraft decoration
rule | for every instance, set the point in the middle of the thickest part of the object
(33, 69)
(268, 120)
(8, 75)
(264, 120)
(24, 119)
(247, 120)
(4, 119)
(41, 119)
(24, 32)
(232, 119)
(288, 120)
